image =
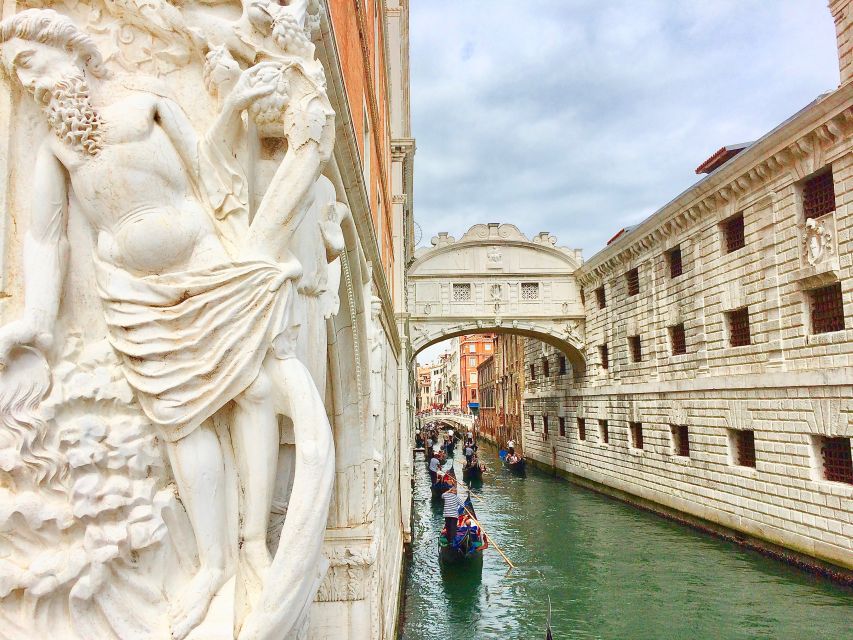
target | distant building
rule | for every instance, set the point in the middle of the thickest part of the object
(473, 349)
(501, 389)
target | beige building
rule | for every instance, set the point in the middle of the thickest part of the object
(719, 344)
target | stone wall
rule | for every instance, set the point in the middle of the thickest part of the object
(791, 385)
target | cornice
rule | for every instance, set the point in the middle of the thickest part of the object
(811, 132)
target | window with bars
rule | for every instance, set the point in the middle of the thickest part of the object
(462, 292)
(635, 346)
(744, 447)
(818, 195)
(738, 323)
(636, 434)
(532, 423)
(632, 278)
(678, 339)
(680, 440)
(673, 258)
(562, 422)
(546, 370)
(604, 356)
(562, 365)
(827, 309)
(836, 459)
(582, 428)
(533, 372)
(603, 432)
(733, 233)
(600, 297)
(545, 424)
(529, 290)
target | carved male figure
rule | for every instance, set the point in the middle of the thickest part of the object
(193, 324)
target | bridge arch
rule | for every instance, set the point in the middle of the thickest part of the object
(496, 280)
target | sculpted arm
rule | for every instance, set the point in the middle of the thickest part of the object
(45, 257)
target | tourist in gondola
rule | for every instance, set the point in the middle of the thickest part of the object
(469, 452)
(451, 511)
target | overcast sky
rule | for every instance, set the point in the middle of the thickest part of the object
(581, 117)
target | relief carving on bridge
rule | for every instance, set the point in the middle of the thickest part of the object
(168, 316)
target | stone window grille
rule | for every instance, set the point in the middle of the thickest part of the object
(818, 195)
(636, 435)
(676, 267)
(837, 461)
(827, 309)
(738, 321)
(532, 423)
(744, 448)
(545, 424)
(532, 371)
(562, 422)
(681, 440)
(529, 290)
(632, 277)
(562, 365)
(600, 297)
(733, 233)
(462, 292)
(603, 432)
(545, 369)
(604, 355)
(636, 348)
(678, 339)
(582, 428)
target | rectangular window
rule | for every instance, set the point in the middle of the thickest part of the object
(827, 309)
(680, 440)
(562, 422)
(532, 424)
(673, 258)
(488, 346)
(632, 277)
(603, 432)
(472, 348)
(636, 348)
(818, 195)
(636, 434)
(562, 365)
(473, 394)
(743, 447)
(581, 429)
(545, 425)
(738, 323)
(472, 377)
(678, 339)
(529, 290)
(599, 296)
(836, 459)
(603, 354)
(545, 368)
(533, 372)
(472, 362)
(462, 293)
(733, 233)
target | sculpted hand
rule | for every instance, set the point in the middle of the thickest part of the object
(19, 333)
(254, 83)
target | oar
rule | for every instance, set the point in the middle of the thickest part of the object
(548, 635)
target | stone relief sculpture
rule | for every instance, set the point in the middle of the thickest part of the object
(215, 309)
(817, 241)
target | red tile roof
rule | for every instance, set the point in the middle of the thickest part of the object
(721, 156)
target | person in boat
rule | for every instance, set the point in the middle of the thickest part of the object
(451, 512)
(469, 453)
(434, 465)
(512, 457)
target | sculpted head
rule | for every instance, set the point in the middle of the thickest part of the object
(48, 54)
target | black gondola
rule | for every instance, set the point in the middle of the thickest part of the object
(517, 467)
(441, 486)
(472, 472)
(469, 552)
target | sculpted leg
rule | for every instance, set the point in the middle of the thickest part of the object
(199, 471)
(255, 436)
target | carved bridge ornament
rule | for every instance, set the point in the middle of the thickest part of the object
(139, 445)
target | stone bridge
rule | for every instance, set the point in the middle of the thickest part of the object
(460, 421)
(495, 279)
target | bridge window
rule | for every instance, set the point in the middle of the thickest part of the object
(836, 459)
(529, 290)
(604, 356)
(582, 428)
(600, 297)
(678, 339)
(680, 440)
(733, 233)
(636, 348)
(632, 277)
(562, 365)
(562, 422)
(738, 323)
(827, 309)
(819, 195)
(545, 369)
(603, 432)
(673, 258)
(461, 292)
(636, 434)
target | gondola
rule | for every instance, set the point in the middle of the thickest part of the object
(517, 467)
(472, 472)
(471, 541)
(440, 487)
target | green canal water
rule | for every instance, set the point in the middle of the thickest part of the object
(612, 573)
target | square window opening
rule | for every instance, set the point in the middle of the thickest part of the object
(603, 432)
(673, 258)
(680, 440)
(678, 339)
(600, 297)
(636, 348)
(636, 429)
(632, 277)
(818, 195)
(738, 326)
(836, 460)
(742, 447)
(462, 292)
(582, 428)
(604, 355)
(827, 309)
(733, 233)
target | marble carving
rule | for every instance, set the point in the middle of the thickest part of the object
(212, 269)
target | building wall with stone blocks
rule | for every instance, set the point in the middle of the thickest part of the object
(750, 426)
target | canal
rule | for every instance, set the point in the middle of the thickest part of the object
(612, 572)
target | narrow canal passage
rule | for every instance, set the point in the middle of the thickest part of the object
(612, 572)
